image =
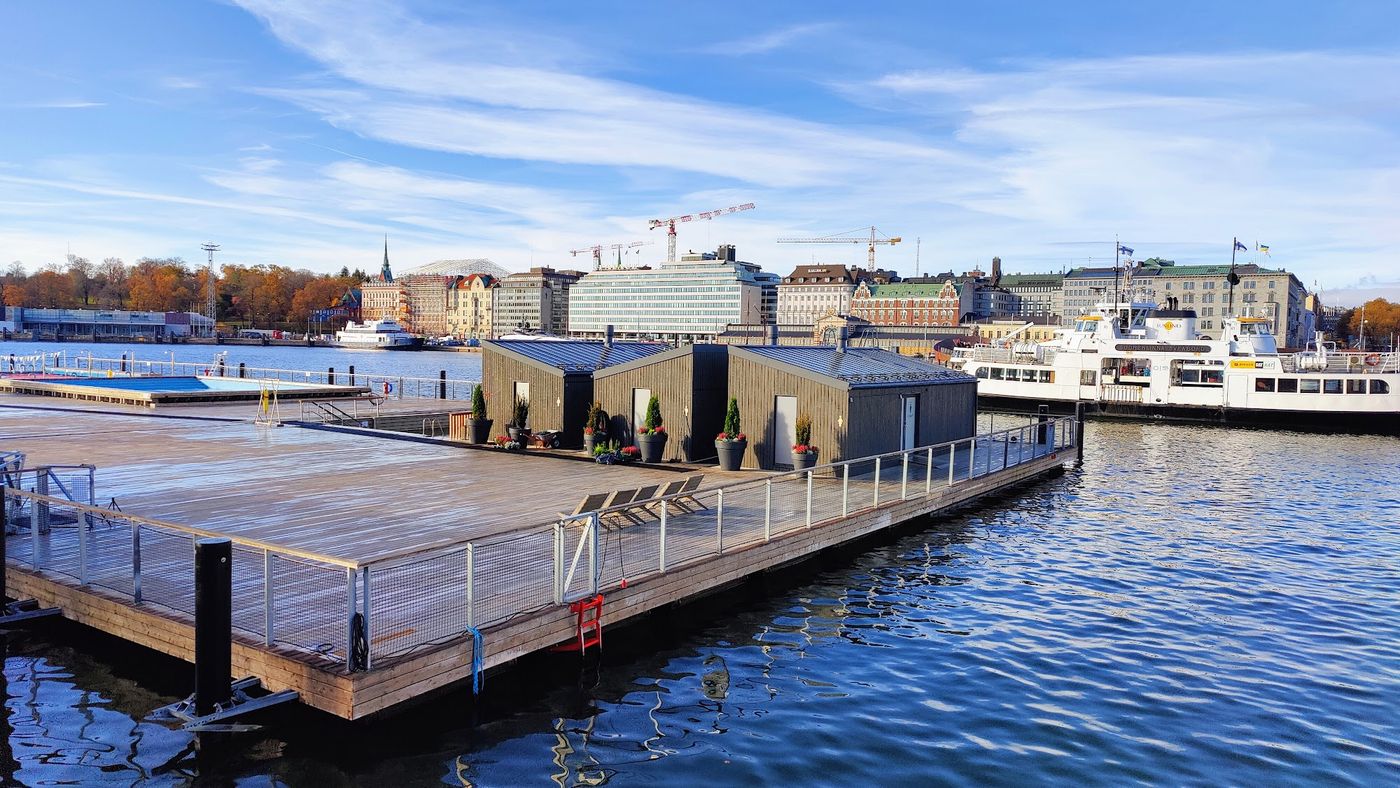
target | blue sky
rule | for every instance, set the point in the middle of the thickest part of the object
(300, 132)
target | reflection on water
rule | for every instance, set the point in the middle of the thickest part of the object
(1197, 605)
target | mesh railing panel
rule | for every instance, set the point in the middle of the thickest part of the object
(514, 573)
(247, 570)
(419, 602)
(310, 605)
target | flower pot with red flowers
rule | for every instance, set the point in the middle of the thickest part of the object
(595, 430)
(519, 417)
(731, 444)
(651, 436)
(804, 454)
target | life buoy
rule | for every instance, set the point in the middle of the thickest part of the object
(1373, 359)
(388, 388)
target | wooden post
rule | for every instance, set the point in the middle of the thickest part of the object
(213, 623)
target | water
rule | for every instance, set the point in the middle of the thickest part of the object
(1198, 605)
(422, 364)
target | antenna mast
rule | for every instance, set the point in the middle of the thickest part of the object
(210, 302)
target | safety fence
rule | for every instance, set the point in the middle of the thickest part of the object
(393, 386)
(386, 607)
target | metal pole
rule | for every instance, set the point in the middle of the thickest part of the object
(594, 521)
(400, 388)
(34, 533)
(1078, 434)
(809, 507)
(877, 483)
(352, 374)
(904, 480)
(928, 473)
(364, 615)
(136, 563)
(471, 586)
(269, 625)
(719, 521)
(442, 386)
(661, 561)
(971, 457)
(213, 623)
(82, 550)
(768, 509)
(952, 460)
(1042, 421)
(330, 376)
(559, 562)
(845, 488)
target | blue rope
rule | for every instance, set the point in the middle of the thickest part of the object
(478, 643)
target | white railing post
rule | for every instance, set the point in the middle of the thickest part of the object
(877, 482)
(768, 509)
(845, 488)
(136, 563)
(971, 457)
(661, 560)
(364, 614)
(34, 532)
(269, 623)
(1021, 450)
(559, 562)
(471, 585)
(82, 550)
(809, 502)
(928, 472)
(350, 605)
(952, 460)
(594, 526)
(904, 479)
(719, 521)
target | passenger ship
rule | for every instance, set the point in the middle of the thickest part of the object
(377, 334)
(1134, 359)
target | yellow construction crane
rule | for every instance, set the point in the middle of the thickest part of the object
(873, 240)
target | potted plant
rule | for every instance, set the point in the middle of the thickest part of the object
(595, 429)
(506, 443)
(731, 444)
(629, 454)
(519, 417)
(651, 436)
(804, 454)
(478, 426)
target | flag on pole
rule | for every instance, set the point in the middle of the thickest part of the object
(1125, 250)
(1241, 246)
(1264, 248)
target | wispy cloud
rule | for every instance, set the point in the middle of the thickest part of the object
(61, 104)
(769, 42)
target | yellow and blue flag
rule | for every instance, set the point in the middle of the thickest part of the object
(1262, 247)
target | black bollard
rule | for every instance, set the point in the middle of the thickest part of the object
(123, 362)
(1042, 418)
(242, 369)
(442, 384)
(352, 374)
(213, 623)
(330, 376)
(1078, 434)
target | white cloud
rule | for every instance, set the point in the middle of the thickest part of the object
(62, 104)
(769, 42)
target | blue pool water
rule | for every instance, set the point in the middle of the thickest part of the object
(165, 385)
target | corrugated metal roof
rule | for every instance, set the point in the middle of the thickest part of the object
(861, 367)
(579, 355)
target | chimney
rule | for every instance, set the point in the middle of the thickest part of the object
(841, 337)
(608, 335)
(772, 334)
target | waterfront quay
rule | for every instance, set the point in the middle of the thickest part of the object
(371, 570)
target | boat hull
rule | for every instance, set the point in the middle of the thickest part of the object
(1303, 420)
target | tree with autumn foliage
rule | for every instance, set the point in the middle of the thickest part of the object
(1382, 322)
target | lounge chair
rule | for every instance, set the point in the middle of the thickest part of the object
(639, 506)
(590, 503)
(684, 501)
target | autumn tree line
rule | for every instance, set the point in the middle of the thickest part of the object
(1382, 324)
(265, 296)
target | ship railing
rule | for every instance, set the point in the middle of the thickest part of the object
(1353, 361)
(391, 386)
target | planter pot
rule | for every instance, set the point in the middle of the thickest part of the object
(731, 454)
(652, 446)
(590, 441)
(479, 430)
(518, 435)
(801, 462)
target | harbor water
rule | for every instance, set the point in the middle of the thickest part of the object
(1196, 605)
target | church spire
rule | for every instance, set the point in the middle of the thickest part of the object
(384, 272)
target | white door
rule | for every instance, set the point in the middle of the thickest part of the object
(908, 422)
(1236, 391)
(784, 430)
(640, 398)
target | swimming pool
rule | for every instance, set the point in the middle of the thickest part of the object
(183, 389)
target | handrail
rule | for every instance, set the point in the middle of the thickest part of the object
(256, 544)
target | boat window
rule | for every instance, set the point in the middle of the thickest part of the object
(1212, 376)
(1356, 386)
(1309, 386)
(1332, 386)
(1028, 375)
(998, 373)
(982, 373)
(1046, 376)
(1380, 387)
(1263, 384)
(1086, 377)
(1288, 385)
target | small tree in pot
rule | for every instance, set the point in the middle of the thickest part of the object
(519, 417)
(651, 436)
(731, 444)
(478, 426)
(804, 454)
(595, 427)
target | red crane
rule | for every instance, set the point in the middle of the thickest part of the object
(670, 224)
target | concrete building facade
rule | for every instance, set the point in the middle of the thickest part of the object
(536, 301)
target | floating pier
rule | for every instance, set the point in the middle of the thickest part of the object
(368, 572)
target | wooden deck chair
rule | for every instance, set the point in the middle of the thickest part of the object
(633, 508)
(616, 498)
(685, 500)
(669, 488)
(591, 502)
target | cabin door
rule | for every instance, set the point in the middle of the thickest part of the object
(784, 430)
(1236, 390)
(908, 422)
(640, 398)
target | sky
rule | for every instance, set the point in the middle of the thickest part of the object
(301, 132)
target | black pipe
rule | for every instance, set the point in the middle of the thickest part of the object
(330, 376)
(1078, 434)
(123, 362)
(213, 623)
(352, 374)
(1042, 418)
(442, 385)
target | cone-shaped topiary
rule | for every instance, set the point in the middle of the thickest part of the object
(478, 402)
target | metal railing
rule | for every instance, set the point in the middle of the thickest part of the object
(394, 386)
(1340, 361)
(406, 600)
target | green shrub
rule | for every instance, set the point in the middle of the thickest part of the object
(732, 426)
(478, 402)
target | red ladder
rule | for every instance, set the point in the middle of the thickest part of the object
(589, 626)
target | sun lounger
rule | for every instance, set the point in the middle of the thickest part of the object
(685, 501)
(590, 503)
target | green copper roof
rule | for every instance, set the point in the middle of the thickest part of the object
(905, 290)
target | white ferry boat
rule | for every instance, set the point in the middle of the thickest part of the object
(377, 335)
(1134, 359)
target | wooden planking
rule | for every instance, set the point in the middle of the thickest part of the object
(690, 383)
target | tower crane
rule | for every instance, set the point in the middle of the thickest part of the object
(846, 238)
(597, 251)
(670, 224)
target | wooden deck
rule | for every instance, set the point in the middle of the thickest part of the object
(404, 509)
